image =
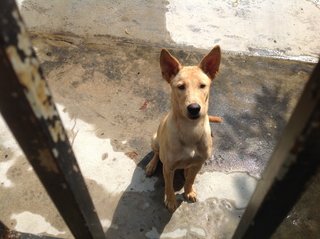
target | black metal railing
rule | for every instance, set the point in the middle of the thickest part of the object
(28, 108)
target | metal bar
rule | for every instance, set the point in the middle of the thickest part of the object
(29, 110)
(293, 165)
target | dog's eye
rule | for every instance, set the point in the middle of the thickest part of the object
(181, 87)
(202, 86)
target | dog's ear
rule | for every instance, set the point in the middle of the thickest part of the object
(170, 66)
(211, 62)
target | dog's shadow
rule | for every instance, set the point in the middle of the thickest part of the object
(142, 214)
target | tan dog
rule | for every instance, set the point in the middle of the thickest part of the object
(183, 139)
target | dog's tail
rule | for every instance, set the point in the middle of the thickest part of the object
(215, 119)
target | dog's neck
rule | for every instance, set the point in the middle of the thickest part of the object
(189, 131)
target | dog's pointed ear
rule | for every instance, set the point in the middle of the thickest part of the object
(170, 66)
(211, 62)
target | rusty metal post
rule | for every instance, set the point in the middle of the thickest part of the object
(292, 167)
(28, 108)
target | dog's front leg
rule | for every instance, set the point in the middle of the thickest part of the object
(190, 175)
(169, 197)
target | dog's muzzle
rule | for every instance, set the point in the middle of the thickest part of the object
(194, 110)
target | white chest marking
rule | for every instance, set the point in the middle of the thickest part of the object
(193, 152)
(189, 152)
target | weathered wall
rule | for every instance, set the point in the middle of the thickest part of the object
(281, 28)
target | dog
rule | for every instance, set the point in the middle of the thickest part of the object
(183, 139)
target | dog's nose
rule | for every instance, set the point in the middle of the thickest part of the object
(194, 109)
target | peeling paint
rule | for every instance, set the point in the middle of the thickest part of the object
(34, 223)
(36, 89)
(75, 168)
(197, 230)
(23, 41)
(106, 223)
(30, 79)
(57, 131)
(46, 161)
(4, 168)
(55, 152)
(20, 2)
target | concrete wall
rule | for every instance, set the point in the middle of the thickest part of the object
(280, 28)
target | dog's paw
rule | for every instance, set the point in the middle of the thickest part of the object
(191, 196)
(171, 204)
(150, 169)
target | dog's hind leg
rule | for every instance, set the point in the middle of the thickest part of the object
(152, 165)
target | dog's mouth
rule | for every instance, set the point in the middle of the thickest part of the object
(194, 117)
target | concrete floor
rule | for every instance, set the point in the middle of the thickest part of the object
(110, 96)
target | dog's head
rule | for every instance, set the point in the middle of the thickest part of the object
(190, 84)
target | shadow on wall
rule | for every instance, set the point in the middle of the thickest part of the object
(139, 20)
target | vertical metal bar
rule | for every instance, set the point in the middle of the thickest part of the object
(294, 163)
(27, 107)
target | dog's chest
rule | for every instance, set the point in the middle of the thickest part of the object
(192, 148)
(188, 156)
(189, 152)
